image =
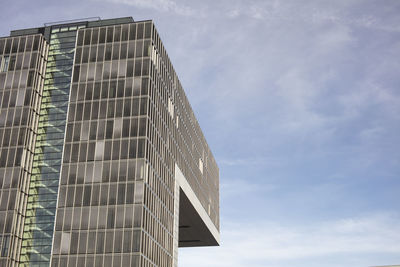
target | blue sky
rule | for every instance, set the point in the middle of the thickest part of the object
(300, 103)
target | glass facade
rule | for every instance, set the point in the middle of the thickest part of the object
(21, 85)
(43, 188)
(114, 129)
(101, 193)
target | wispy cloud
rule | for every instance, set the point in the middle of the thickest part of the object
(236, 188)
(276, 244)
(243, 162)
(158, 5)
(317, 12)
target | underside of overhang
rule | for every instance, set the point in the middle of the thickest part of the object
(193, 232)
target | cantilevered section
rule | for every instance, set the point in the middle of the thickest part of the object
(195, 226)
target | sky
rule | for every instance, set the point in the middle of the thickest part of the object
(300, 103)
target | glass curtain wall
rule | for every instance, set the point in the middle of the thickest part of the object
(43, 190)
(21, 82)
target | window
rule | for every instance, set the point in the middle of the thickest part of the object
(20, 97)
(170, 107)
(201, 165)
(138, 195)
(89, 173)
(65, 242)
(117, 127)
(4, 249)
(99, 150)
(4, 64)
(11, 63)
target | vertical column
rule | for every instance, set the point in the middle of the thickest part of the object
(176, 224)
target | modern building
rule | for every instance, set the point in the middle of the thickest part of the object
(102, 161)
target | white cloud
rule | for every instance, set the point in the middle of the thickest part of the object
(265, 161)
(370, 93)
(317, 12)
(234, 188)
(276, 244)
(160, 5)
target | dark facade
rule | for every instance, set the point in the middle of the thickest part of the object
(102, 160)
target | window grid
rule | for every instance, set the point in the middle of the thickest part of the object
(21, 85)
